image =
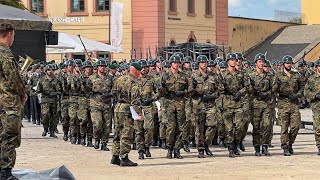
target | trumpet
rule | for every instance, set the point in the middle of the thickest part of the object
(28, 61)
(93, 60)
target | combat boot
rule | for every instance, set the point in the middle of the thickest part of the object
(241, 146)
(290, 149)
(52, 134)
(104, 147)
(201, 153)
(78, 138)
(89, 142)
(169, 154)
(5, 174)
(318, 151)
(176, 154)
(270, 145)
(141, 154)
(286, 151)
(186, 146)
(65, 136)
(192, 142)
(236, 150)
(73, 139)
(97, 143)
(207, 150)
(155, 142)
(231, 152)
(115, 160)
(38, 122)
(147, 151)
(221, 143)
(34, 121)
(257, 149)
(265, 150)
(134, 146)
(163, 144)
(44, 133)
(126, 162)
(83, 140)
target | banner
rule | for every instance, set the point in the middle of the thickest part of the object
(116, 26)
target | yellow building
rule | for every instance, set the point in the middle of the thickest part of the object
(310, 11)
(146, 23)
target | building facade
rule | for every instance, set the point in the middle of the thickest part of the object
(147, 24)
(310, 11)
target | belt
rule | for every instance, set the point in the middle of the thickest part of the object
(283, 96)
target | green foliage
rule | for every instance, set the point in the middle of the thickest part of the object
(296, 20)
(13, 3)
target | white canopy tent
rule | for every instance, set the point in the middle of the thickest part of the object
(68, 43)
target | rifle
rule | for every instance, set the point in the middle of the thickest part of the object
(150, 55)
(140, 53)
(147, 55)
(135, 54)
(85, 49)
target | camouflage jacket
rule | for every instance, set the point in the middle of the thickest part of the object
(312, 88)
(261, 83)
(148, 89)
(100, 87)
(49, 88)
(175, 82)
(12, 88)
(33, 82)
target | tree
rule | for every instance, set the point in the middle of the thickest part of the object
(13, 3)
(296, 20)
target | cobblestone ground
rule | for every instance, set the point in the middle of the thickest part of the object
(38, 153)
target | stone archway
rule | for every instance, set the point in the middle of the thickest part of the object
(192, 37)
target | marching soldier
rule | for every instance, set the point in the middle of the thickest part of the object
(289, 87)
(35, 106)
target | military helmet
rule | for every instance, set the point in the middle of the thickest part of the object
(231, 56)
(259, 56)
(48, 67)
(95, 66)
(78, 62)
(158, 58)
(287, 59)
(202, 58)
(212, 63)
(317, 63)
(70, 63)
(102, 62)
(267, 64)
(143, 63)
(194, 66)
(187, 59)
(175, 58)
(218, 60)
(151, 62)
(223, 64)
(165, 63)
(180, 54)
(239, 55)
(300, 64)
(86, 64)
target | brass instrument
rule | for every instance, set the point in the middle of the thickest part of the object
(93, 60)
(28, 61)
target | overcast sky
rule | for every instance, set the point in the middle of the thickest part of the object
(262, 9)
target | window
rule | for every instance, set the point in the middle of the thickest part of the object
(77, 5)
(173, 6)
(103, 5)
(191, 9)
(104, 55)
(37, 6)
(208, 7)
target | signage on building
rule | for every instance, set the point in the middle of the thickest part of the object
(67, 20)
(174, 19)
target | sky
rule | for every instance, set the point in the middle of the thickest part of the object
(262, 9)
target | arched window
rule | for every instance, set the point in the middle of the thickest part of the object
(192, 37)
(173, 42)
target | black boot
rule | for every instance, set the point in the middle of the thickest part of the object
(78, 138)
(44, 133)
(34, 121)
(163, 144)
(73, 139)
(141, 154)
(290, 149)
(147, 151)
(115, 160)
(265, 150)
(155, 142)
(169, 154)
(104, 147)
(192, 142)
(160, 143)
(5, 174)
(201, 153)
(97, 143)
(176, 154)
(38, 122)
(56, 131)
(241, 146)
(257, 149)
(286, 151)
(231, 152)
(207, 150)
(134, 146)
(236, 150)
(186, 146)
(52, 134)
(65, 136)
(318, 151)
(89, 144)
(126, 162)
(221, 143)
(83, 140)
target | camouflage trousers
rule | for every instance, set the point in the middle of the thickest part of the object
(163, 121)
(86, 127)
(176, 122)
(273, 117)
(261, 121)
(74, 120)
(186, 129)
(220, 124)
(289, 117)
(247, 118)
(144, 129)
(102, 121)
(65, 119)
(123, 132)
(316, 122)
(233, 118)
(10, 137)
(49, 116)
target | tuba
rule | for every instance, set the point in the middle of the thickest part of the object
(28, 61)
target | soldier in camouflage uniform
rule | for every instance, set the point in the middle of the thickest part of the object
(86, 127)
(312, 93)
(233, 86)
(176, 84)
(289, 87)
(13, 96)
(35, 106)
(126, 89)
(204, 93)
(261, 89)
(101, 105)
(49, 87)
